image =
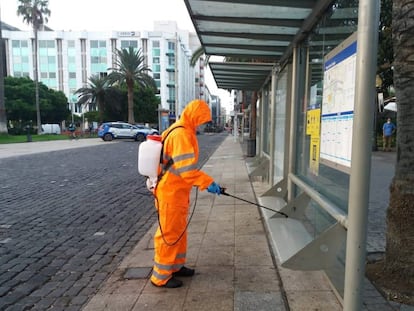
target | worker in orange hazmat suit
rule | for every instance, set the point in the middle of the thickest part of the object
(172, 194)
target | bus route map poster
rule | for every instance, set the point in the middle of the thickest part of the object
(338, 106)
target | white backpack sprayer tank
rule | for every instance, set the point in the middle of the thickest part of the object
(149, 156)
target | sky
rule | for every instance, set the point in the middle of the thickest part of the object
(119, 15)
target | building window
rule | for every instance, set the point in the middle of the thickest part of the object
(46, 44)
(20, 56)
(72, 83)
(156, 48)
(171, 61)
(71, 64)
(170, 48)
(125, 44)
(171, 96)
(98, 56)
(48, 63)
(171, 76)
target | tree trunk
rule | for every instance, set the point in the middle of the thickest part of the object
(36, 76)
(3, 116)
(101, 106)
(131, 118)
(399, 256)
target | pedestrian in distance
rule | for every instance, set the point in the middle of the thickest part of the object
(72, 129)
(172, 194)
(90, 129)
(388, 130)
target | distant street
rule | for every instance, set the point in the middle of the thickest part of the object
(68, 218)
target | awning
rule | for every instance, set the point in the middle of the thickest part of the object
(261, 31)
(240, 76)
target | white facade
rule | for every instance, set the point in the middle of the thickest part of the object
(68, 58)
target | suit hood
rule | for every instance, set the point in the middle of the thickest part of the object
(196, 113)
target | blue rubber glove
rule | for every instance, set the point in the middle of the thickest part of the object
(214, 188)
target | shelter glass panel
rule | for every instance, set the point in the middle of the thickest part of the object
(281, 98)
(337, 24)
(266, 120)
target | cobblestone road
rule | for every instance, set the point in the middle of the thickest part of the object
(68, 218)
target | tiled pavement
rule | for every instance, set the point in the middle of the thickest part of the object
(228, 247)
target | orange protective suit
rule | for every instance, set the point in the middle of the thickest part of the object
(173, 190)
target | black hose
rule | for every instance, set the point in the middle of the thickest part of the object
(223, 192)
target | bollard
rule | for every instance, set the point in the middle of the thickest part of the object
(28, 134)
(251, 147)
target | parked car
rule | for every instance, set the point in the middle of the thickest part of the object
(115, 130)
(51, 129)
(146, 129)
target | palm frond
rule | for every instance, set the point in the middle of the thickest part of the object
(130, 66)
(196, 56)
(94, 92)
(130, 69)
(34, 12)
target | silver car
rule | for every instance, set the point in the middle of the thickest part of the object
(114, 130)
(147, 130)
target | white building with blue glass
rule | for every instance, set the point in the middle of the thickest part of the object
(68, 58)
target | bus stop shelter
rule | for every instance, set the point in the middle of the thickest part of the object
(311, 67)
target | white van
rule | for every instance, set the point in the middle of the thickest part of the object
(51, 129)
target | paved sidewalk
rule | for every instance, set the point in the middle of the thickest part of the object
(228, 248)
(19, 149)
(221, 238)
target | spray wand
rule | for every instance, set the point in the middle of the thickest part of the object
(223, 192)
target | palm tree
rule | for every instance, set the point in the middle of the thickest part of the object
(130, 69)
(35, 12)
(94, 92)
(196, 56)
(399, 252)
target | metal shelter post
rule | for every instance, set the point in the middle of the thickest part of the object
(293, 122)
(235, 126)
(273, 124)
(367, 45)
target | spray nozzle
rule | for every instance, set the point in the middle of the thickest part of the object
(223, 191)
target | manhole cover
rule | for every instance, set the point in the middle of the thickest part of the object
(137, 273)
